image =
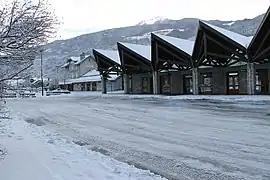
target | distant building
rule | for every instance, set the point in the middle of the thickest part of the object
(80, 74)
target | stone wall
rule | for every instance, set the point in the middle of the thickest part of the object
(136, 83)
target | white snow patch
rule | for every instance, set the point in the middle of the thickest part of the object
(96, 78)
(91, 73)
(183, 44)
(152, 20)
(142, 50)
(113, 55)
(75, 58)
(34, 153)
(148, 35)
(229, 24)
(137, 37)
(238, 38)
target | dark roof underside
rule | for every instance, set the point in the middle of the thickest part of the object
(106, 64)
(168, 55)
(214, 49)
(132, 62)
(259, 48)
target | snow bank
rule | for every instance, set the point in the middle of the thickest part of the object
(239, 98)
(178, 97)
(34, 153)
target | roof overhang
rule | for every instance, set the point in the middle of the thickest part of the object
(259, 48)
(213, 48)
(105, 63)
(165, 55)
(133, 61)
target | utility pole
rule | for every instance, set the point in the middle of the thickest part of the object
(41, 72)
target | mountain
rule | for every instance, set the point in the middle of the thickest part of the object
(58, 51)
(155, 20)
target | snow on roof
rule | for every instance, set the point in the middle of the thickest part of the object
(183, 44)
(67, 81)
(87, 79)
(238, 38)
(142, 50)
(113, 77)
(93, 78)
(65, 65)
(80, 61)
(74, 58)
(93, 72)
(113, 55)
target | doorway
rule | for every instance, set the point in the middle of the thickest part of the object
(262, 81)
(165, 84)
(206, 86)
(188, 84)
(144, 82)
(94, 86)
(233, 83)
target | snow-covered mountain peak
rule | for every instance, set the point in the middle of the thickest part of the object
(154, 20)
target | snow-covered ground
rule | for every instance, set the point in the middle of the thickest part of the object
(28, 152)
(180, 137)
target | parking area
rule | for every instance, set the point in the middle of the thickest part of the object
(178, 138)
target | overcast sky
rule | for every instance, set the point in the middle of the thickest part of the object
(84, 16)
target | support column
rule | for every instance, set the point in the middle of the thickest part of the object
(195, 80)
(126, 83)
(155, 82)
(85, 86)
(103, 84)
(91, 86)
(251, 78)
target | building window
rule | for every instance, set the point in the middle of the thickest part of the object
(144, 85)
(233, 83)
(188, 84)
(206, 86)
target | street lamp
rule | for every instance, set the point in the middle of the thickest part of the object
(41, 72)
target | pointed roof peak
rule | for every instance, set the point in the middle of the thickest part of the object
(238, 38)
(142, 50)
(111, 54)
(182, 44)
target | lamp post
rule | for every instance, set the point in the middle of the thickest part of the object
(41, 72)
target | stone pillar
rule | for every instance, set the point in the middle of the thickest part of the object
(85, 86)
(251, 72)
(155, 82)
(91, 86)
(126, 84)
(103, 84)
(195, 80)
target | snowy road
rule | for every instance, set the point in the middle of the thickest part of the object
(179, 139)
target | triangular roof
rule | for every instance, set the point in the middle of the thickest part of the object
(142, 50)
(183, 44)
(82, 60)
(259, 47)
(110, 54)
(92, 72)
(238, 38)
(215, 46)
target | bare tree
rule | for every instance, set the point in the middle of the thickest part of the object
(25, 26)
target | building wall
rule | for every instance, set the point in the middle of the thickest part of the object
(77, 87)
(266, 67)
(117, 84)
(85, 66)
(219, 78)
(136, 86)
(219, 81)
(176, 82)
(99, 88)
